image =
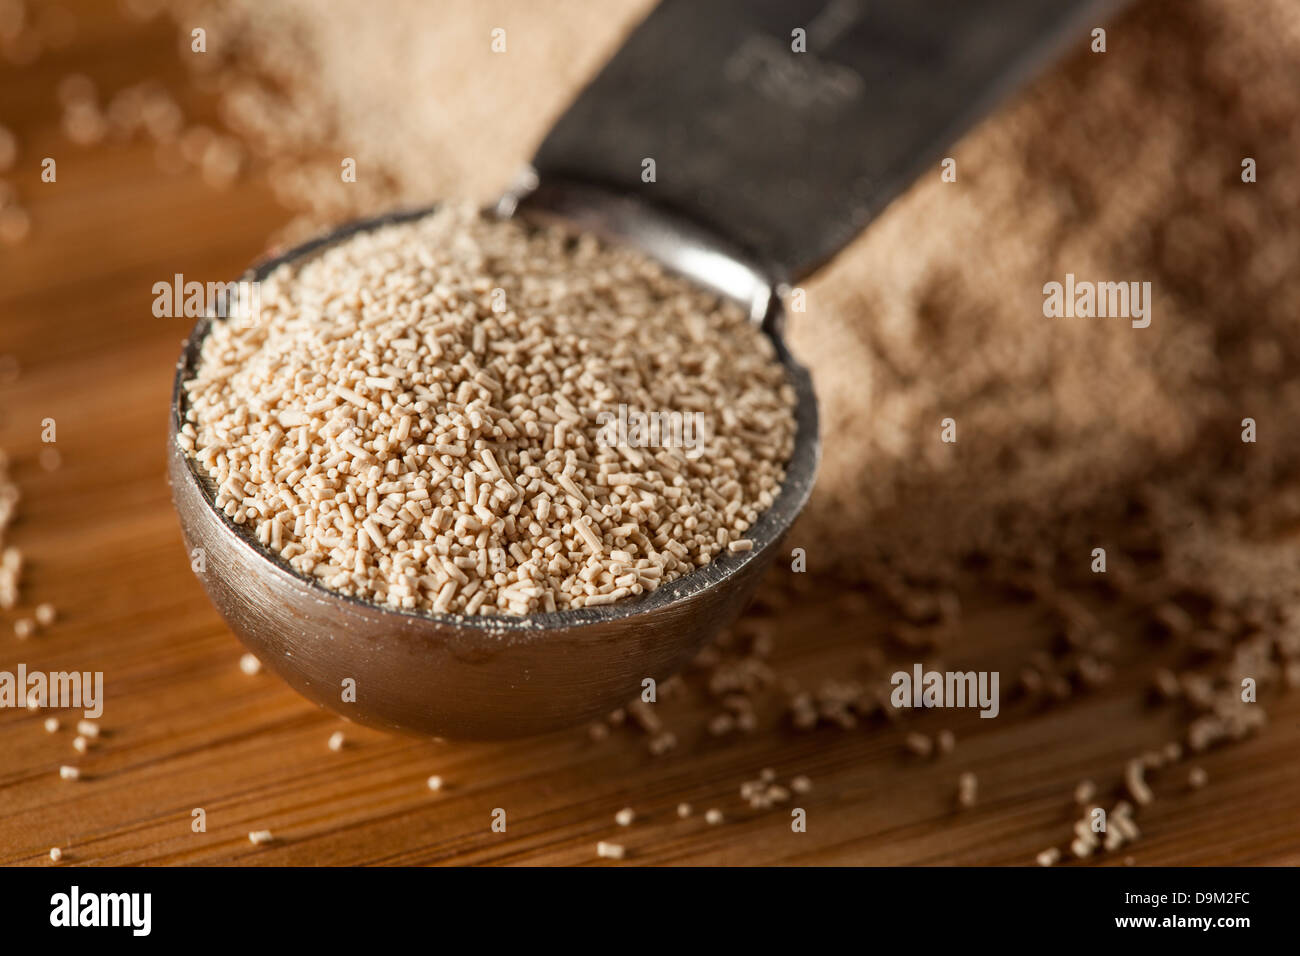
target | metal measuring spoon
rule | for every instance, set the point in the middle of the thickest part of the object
(766, 162)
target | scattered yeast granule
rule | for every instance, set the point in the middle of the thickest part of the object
(610, 851)
(661, 744)
(56, 854)
(260, 837)
(919, 744)
(1135, 782)
(434, 783)
(336, 741)
(967, 789)
(625, 817)
(431, 416)
(250, 665)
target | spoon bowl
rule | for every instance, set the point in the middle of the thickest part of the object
(453, 676)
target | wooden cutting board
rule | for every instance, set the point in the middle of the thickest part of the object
(184, 728)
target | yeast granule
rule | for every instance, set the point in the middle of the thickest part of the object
(435, 415)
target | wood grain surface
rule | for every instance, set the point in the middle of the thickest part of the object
(184, 728)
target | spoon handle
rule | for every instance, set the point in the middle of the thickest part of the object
(785, 126)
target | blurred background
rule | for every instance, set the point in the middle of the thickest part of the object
(1073, 435)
